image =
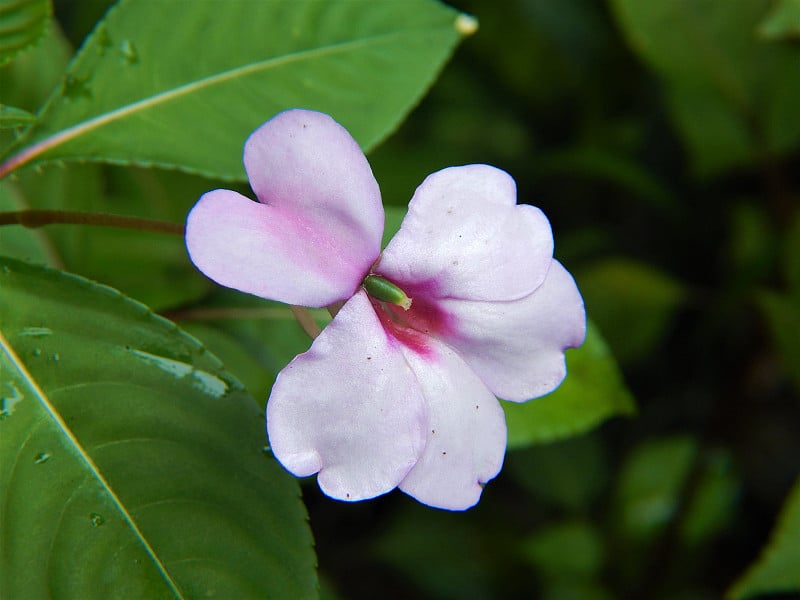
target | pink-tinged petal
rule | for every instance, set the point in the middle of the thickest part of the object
(318, 228)
(517, 348)
(466, 436)
(465, 237)
(349, 408)
(248, 246)
(306, 164)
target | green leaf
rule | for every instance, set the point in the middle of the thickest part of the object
(650, 484)
(19, 242)
(568, 550)
(776, 570)
(782, 21)
(28, 81)
(12, 117)
(236, 324)
(783, 318)
(631, 302)
(151, 267)
(235, 355)
(592, 392)
(132, 462)
(714, 500)
(138, 92)
(731, 95)
(22, 23)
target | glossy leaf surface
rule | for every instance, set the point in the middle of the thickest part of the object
(131, 459)
(133, 86)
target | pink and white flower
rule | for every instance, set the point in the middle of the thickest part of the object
(389, 395)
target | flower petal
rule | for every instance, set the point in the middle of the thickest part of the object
(465, 237)
(318, 228)
(349, 408)
(517, 348)
(466, 434)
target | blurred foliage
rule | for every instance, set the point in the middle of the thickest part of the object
(661, 139)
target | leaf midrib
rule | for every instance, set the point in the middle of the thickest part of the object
(44, 401)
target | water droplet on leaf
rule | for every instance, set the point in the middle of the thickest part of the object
(41, 458)
(37, 352)
(129, 52)
(96, 519)
(10, 396)
(36, 332)
(56, 357)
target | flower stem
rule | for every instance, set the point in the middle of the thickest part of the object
(36, 218)
(306, 321)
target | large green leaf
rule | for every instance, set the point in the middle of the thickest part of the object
(22, 23)
(182, 84)
(132, 462)
(593, 391)
(776, 569)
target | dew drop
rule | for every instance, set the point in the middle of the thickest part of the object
(96, 519)
(10, 396)
(129, 52)
(5, 270)
(41, 458)
(55, 357)
(266, 450)
(37, 352)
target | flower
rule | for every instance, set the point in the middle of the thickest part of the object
(391, 394)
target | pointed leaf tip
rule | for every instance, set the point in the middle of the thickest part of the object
(466, 25)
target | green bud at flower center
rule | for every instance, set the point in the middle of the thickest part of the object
(385, 291)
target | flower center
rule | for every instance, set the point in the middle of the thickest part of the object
(384, 290)
(412, 326)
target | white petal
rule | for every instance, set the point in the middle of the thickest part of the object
(517, 348)
(465, 237)
(349, 408)
(466, 437)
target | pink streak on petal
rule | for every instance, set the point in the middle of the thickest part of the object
(413, 327)
(349, 408)
(517, 348)
(465, 237)
(307, 164)
(268, 252)
(466, 437)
